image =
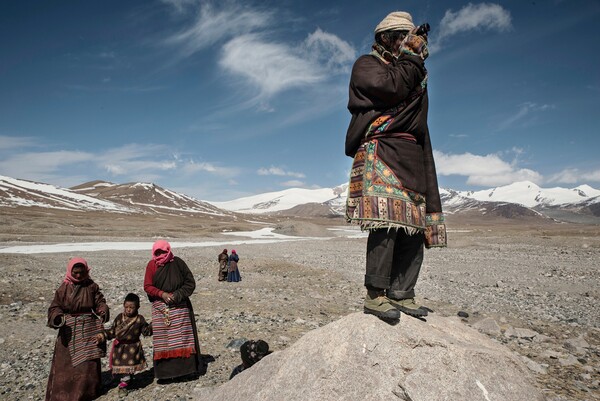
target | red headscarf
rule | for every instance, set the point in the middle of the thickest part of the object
(69, 279)
(163, 258)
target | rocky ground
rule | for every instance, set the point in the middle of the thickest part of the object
(533, 288)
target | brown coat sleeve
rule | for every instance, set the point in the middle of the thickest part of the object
(146, 327)
(380, 86)
(376, 87)
(189, 283)
(100, 306)
(109, 334)
(56, 310)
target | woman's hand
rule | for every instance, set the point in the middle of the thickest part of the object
(167, 297)
(100, 314)
(58, 321)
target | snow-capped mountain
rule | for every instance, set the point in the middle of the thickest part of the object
(517, 199)
(510, 201)
(271, 202)
(529, 194)
(578, 204)
(134, 198)
(147, 197)
(15, 192)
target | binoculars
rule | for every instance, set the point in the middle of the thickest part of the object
(423, 29)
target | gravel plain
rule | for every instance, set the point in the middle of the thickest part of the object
(533, 286)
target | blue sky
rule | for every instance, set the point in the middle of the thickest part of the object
(223, 99)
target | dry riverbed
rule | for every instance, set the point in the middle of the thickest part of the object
(535, 289)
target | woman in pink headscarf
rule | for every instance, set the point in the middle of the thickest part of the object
(77, 311)
(169, 284)
(233, 273)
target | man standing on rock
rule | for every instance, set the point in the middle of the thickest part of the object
(393, 189)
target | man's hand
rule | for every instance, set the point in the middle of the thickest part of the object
(415, 45)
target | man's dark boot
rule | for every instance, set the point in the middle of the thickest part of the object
(376, 303)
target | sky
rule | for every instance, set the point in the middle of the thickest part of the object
(224, 99)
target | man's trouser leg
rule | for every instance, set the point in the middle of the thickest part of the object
(380, 252)
(406, 265)
(380, 257)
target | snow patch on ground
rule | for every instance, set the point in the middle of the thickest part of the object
(262, 236)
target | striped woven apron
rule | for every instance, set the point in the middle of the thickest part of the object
(173, 334)
(82, 346)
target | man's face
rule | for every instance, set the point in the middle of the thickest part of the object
(396, 45)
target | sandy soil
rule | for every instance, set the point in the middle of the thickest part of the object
(537, 276)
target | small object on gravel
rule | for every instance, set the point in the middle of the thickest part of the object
(462, 314)
(236, 343)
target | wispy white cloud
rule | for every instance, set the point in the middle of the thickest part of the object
(107, 55)
(179, 6)
(525, 110)
(142, 159)
(40, 166)
(269, 67)
(329, 51)
(480, 17)
(135, 167)
(591, 176)
(105, 87)
(487, 170)
(257, 56)
(272, 67)
(136, 159)
(279, 171)
(293, 184)
(215, 23)
(130, 162)
(14, 142)
(573, 176)
(127, 160)
(191, 167)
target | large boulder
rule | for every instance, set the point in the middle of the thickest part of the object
(360, 357)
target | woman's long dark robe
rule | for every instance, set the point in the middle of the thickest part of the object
(233, 273)
(67, 382)
(175, 277)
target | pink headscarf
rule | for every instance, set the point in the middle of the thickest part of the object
(233, 251)
(69, 279)
(163, 258)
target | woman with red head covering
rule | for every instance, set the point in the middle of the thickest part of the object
(78, 311)
(169, 284)
(233, 273)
